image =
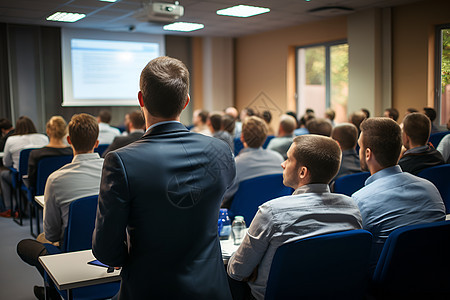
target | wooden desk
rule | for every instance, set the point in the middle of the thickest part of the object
(39, 200)
(70, 270)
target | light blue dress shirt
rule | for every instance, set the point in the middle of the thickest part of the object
(392, 199)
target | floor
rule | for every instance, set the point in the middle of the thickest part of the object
(16, 277)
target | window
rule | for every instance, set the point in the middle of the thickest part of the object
(442, 88)
(322, 79)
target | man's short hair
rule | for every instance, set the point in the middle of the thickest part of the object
(216, 121)
(383, 137)
(104, 116)
(346, 134)
(319, 154)
(417, 127)
(56, 127)
(137, 119)
(24, 125)
(292, 114)
(254, 131)
(392, 113)
(5, 124)
(366, 112)
(228, 123)
(319, 126)
(331, 114)
(430, 113)
(411, 110)
(267, 116)
(357, 118)
(203, 115)
(83, 132)
(164, 86)
(288, 123)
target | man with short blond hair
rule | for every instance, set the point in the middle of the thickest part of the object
(311, 210)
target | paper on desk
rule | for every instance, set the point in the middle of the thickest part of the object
(228, 248)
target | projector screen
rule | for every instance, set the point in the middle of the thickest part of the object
(103, 68)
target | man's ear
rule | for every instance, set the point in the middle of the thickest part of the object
(141, 99)
(96, 143)
(369, 154)
(68, 140)
(187, 101)
(303, 172)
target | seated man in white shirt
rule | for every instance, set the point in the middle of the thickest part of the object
(253, 161)
(78, 179)
(312, 210)
(107, 133)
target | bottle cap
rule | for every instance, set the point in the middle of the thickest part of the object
(239, 218)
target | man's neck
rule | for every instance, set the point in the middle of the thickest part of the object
(150, 120)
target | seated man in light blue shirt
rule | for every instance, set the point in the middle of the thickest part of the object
(253, 161)
(312, 210)
(391, 198)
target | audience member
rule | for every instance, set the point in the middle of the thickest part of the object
(346, 134)
(135, 129)
(419, 155)
(444, 145)
(391, 198)
(431, 113)
(25, 136)
(366, 112)
(292, 114)
(285, 136)
(6, 131)
(215, 126)
(56, 130)
(319, 126)
(267, 117)
(253, 161)
(312, 210)
(301, 130)
(391, 113)
(246, 112)
(107, 133)
(233, 112)
(200, 118)
(228, 124)
(410, 111)
(330, 115)
(356, 119)
(159, 200)
(78, 179)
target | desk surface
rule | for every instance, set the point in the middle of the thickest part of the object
(70, 270)
(39, 200)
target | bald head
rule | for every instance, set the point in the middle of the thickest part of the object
(232, 111)
(287, 125)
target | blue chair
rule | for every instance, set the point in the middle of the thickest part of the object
(254, 192)
(329, 266)
(414, 263)
(267, 141)
(436, 138)
(45, 167)
(238, 146)
(101, 148)
(349, 184)
(439, 176)
(77, 237)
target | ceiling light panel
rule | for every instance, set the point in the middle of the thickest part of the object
(242, 11)
(183, 26)
(65, 17)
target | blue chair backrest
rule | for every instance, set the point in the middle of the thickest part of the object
(46, 166)
(254, 192)
(435, 138)
(101, 148)
(23, 161)
(238, 146)
(415, 261)
(439, 176)
(267, 141)
(329, 266)
(80, 225)
(349, 184)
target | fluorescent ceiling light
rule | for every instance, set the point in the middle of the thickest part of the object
(183, 26)
(65, 17)
(108, 0)
(242, 11)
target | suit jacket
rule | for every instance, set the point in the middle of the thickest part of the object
(122, 141)
(157, 214)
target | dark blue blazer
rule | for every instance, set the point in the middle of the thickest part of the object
(157, 214)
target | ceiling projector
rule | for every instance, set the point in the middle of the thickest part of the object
(159, 11)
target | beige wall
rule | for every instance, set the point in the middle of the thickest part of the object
(261, 63)
(413, 38)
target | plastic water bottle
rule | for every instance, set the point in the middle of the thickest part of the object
(238, 229)
(224, 224)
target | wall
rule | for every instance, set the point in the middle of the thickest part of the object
(413, 52)
(262, 71)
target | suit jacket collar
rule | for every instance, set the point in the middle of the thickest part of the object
(166, 128)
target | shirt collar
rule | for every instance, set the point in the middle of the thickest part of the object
(312, 188)
(161, 123)
(85, 156)
(383, 173)
(349, 151)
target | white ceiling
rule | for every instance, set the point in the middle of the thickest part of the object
(119, 16)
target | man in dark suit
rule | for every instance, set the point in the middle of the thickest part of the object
(160, 196)
(135, 124)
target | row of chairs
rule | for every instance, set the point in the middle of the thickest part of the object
(438, 175)
(238, 146)
(413, 265)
